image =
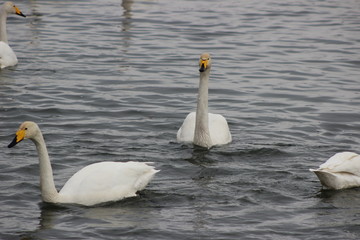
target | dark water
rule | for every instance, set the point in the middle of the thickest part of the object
(112, 80)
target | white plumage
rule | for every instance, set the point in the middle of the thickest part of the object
(218, 128)
(340, 171)
(96, 183)
(201, 127)
(7, 55)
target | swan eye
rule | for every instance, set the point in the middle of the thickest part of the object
(25, 128)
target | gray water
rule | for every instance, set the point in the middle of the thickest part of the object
(113, 81)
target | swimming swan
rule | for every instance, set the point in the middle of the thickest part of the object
(7, 55)
(203, 128)
(94, 184)
(340, 171)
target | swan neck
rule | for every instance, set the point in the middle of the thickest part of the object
(202, 133)
(47, 185)
(3, 17)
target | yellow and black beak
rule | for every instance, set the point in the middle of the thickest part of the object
(203, 64)
(18, 12)
(20, 135)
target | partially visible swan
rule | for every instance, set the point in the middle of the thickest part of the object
(7, 55)
(203, 128)
(340, 171)
(94, 184)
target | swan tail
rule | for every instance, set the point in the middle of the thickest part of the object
(336, 180)
(327, 179)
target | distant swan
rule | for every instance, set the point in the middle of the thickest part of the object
(340, 171)
(7, 55)
(203, 128)
(94, 184)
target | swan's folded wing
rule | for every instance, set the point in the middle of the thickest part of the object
(187, 130)
(219, 129)
(7, 56)
(346, 162)
(107, 181)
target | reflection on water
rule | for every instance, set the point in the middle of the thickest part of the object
(126, 22)
(342, 199)
(339, 210)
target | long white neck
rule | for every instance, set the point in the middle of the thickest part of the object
(3, 17)
(202, 133)
(47, 185)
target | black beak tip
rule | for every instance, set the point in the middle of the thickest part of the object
(13, 143)
(202, 68)
(21, 14)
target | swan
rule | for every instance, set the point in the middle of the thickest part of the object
(340, 171)
(7, 55)
(96, 183)
(201, 127)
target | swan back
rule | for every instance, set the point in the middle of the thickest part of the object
(347, 162)
(106, 181)
(340, 171)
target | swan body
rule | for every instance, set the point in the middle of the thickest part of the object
(218, 127)
(7, 55)
(96, 183)
(340, 171)
(201, 127)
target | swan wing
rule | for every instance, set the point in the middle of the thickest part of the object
(346, 162)
(219, 129)
(7, 55)
(187, 129)
(106, 181)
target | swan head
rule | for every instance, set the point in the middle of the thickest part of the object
(26, 130)
(10, 7)
(204, 62)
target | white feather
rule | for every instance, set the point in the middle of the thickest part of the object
(218, 127)
(95, 183)
(201, 127)
(340, 171)
(7, 55)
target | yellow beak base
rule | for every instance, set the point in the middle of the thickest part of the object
(18, 12)
(20, 135)
(203, 65)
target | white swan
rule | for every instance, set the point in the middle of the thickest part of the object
(340, 171)
(203, 128)
(7, 55)
(94, 184)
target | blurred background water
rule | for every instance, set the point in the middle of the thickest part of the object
(113, 80)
